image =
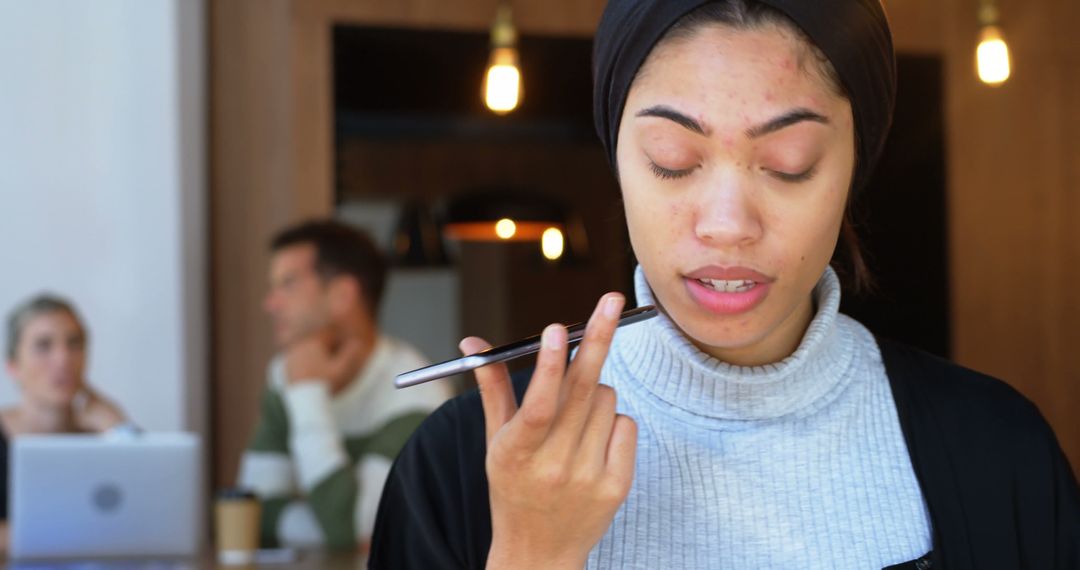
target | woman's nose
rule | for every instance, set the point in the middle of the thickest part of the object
(64, 356)
(727, 211)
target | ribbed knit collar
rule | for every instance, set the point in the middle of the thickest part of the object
(659, 362)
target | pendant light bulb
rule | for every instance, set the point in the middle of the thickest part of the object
(552, 243)
(992, 54)
(502, 80)
(505, 228)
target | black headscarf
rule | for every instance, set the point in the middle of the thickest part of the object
(853, 34)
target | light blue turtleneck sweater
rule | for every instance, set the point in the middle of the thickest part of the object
(799, 464)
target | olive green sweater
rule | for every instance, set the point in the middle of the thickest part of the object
(319, 461)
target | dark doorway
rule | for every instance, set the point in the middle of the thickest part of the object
(903, 213)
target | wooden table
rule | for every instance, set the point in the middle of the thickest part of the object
(310, 559)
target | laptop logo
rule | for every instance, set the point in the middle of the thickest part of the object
(107, 498)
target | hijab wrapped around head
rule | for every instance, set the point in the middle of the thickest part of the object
(853, 34)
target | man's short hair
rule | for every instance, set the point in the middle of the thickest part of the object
(340, 249)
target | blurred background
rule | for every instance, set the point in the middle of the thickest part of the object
(150, 148)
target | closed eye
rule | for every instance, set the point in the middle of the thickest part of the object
(669, 174)
(793, 177)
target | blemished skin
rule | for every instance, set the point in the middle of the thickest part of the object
(738, 194)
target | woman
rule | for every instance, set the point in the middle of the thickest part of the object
(46, 356)
(757, 427)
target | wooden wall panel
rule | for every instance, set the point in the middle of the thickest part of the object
(257, 186)
(1013, 154)
(917, 25)
(547, 17)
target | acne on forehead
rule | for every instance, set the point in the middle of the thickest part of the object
(805, 58)
(778, 73)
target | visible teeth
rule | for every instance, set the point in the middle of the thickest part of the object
(736, 286)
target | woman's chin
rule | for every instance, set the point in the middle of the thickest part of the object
(751, 338)
(724, 341)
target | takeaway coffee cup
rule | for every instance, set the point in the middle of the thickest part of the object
(236, 518)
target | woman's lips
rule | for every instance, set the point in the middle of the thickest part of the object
(721, 273)
(727, 290)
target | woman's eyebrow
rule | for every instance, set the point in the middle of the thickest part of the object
(786, 120)
(691, 124)
(665, 112)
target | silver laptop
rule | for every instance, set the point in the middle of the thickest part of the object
(85, 496)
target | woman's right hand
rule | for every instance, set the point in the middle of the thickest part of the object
(95, 413)
(559, 467)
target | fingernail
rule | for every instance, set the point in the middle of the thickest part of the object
(553, 337)
(612, 306)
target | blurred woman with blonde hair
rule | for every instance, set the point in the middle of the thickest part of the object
(46, 356)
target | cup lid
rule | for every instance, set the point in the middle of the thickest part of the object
(235, 493)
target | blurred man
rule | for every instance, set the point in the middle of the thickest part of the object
(331, 421)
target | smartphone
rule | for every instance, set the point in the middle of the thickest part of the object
(523, 347)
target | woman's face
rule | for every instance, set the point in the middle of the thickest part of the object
(735, 156)
(50, 358)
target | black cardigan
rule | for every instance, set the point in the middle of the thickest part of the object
(999, 490)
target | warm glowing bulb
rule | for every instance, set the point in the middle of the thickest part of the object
(551, 243)
(505, 228)
(992, 57)
(502, 83)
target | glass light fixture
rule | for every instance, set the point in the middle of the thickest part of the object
(501, 215)
(505, 228)
(502, 80)
(551, 243)
(992, 55)
(515, 215)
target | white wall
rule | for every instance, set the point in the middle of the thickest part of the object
(102, 189)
